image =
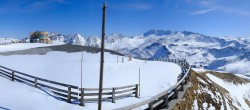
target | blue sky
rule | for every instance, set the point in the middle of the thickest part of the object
(128, 17)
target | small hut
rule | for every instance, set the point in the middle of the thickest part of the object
(40, 37)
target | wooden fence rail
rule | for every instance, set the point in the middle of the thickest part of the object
(111, 94)
(68, 92)
(162, 99)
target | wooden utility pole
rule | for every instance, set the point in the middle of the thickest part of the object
(139, 81)
(81, 102)
(102, 57)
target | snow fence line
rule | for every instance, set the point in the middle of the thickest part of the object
(71, 93)
(162, 99)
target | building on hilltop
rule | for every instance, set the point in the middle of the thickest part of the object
(40, 37)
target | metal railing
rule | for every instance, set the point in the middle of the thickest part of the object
(162, 99)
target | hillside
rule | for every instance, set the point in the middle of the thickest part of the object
(213, 90)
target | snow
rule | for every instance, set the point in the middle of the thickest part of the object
(22, 46)
(8, 40)
(65, 67)
(237, 92)
(18, 96)
(198, 70)
(195, 105)
(238, 67)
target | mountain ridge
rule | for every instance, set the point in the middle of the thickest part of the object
(223, 54)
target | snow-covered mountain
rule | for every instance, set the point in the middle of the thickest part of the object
(8, 40)
(225, 54)
(214, 53)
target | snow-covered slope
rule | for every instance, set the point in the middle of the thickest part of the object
(239, 93)
(212, 90)
(156, 76)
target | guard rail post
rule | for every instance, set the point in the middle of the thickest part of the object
(166, 101)
(175, 96)
(137, 91)
(36, 82)
(13, 76)
(69, 94)
(113, 95)
(150, 106)
(82, 97)
(181, 88)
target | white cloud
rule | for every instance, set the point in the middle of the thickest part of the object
(235, 11)
(222, 7)
(201, 12)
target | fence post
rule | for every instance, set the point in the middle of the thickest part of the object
(175, 93)
(113, 95)
(13, 76)
(182, 88)
(82, 97)
(189, 73)
(150, 106)
(166, 101)
(136, 91)
(186, 78)
(69, 94)
(35, 82)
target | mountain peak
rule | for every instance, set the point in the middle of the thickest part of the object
(78, 35)
(166, 32)
(157, 32)
(115, 34)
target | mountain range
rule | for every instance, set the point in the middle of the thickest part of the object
(228, 54)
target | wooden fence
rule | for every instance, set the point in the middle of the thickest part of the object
(68, 92)
(109, 93)
(71, 93)
(162, 99)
